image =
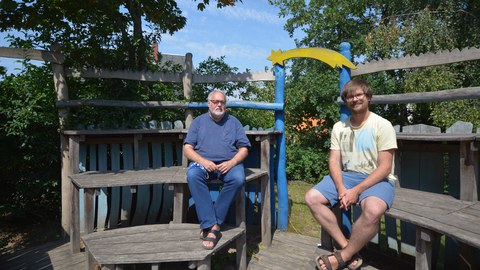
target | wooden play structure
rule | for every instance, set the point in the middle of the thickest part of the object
(126, 189)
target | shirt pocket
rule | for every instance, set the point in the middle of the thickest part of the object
(228, 137)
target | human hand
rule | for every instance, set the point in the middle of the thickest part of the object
(210, 166)
(224, 167)
(347, 198)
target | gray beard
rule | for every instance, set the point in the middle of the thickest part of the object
(217, 116)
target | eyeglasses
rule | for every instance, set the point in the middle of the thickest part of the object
(357, 96)
(216, 102)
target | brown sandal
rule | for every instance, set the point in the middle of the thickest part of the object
(359, 259)
(217, 234)
(326, 261)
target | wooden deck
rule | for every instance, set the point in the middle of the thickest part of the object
(288, 251)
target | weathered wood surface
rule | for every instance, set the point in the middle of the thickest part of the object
(234, 77)
(438, 137)
(422, 60)
(127, 75)
(170, 76)
(290, 251)
(426, 97)
(441, 213)
(154, 243)
(164, 175)
(52, 255)
(152, 131)
(40, 55)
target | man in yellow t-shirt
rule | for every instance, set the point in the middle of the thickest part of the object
(361, 166)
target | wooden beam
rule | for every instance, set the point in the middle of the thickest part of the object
(426, 97)
(40, 55)
(414, 61)
(145, 76)
(232, 77)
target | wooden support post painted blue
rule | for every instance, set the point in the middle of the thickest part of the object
(344, 77)
(345, 113)
(281, 150)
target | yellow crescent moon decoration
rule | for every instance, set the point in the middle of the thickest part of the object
(332, 58)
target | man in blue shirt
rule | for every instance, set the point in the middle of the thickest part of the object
(216, 145)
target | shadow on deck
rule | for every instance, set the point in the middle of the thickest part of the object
(288, 251)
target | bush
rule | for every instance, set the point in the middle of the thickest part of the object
(306, 163)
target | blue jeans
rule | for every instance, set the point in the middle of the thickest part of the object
(208, 212)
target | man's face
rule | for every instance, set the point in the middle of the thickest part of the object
(216, 104)
(357, 101)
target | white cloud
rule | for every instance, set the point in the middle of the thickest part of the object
(250, 14)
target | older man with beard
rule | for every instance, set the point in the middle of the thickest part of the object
(216, 145)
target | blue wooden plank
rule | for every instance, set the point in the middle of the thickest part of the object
(453, 178)
(431, 177)
(143, 191)
(157, 192)
(83, 167)
(102, 205)
(391, 233)
(273, 207)
(125, 214)
(92, 164)
(179, 150)
(114, 209)
(166, 212)
(251, 191)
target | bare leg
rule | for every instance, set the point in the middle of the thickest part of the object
(365, 227)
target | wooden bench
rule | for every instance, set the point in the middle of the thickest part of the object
(176, 176)
(158, 243)
(434, 215)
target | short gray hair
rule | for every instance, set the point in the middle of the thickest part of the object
(216, 91)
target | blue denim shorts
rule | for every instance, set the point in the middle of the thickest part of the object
(384, 190)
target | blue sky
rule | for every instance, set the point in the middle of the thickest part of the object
(245, 34)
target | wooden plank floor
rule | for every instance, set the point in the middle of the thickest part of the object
(288, 251)
(53, 255)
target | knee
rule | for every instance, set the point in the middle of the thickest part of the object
(238, 181)
(312, 198)
(373, 212)
(195, 174)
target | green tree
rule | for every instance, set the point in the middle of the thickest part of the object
(257, 91)
(96, 33)
(29, 160)
(92, 34)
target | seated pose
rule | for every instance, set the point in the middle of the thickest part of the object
(361, 165)
(216, 144)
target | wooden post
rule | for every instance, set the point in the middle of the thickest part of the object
(468, 174)
(187, 87)
(423, 256)
(266, 221)
(61, 88)
(73, 225)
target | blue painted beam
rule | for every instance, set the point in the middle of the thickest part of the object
(277, 106)
(281, 146)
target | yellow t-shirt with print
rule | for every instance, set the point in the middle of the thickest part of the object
(359, 146)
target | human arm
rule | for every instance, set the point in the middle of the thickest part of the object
(350, 196)
(224, 167)
(192, 155)
(335, 167)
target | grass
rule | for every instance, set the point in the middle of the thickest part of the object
(301, 220)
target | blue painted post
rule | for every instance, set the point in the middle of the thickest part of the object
(281, 148)
(345, 113)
